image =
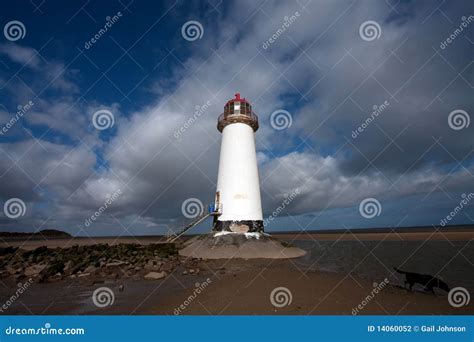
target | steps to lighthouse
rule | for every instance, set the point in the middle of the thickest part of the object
(228, 245)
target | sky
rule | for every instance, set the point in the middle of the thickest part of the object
(108, 112)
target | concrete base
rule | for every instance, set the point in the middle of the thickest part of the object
(249, 226)
(228, 245)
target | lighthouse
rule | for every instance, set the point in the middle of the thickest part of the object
(237, 208)
(238, 189)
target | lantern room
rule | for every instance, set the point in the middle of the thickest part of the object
(237, 110)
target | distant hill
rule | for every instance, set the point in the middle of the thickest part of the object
(47, 233)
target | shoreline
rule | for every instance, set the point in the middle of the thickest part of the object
(147, 276)
(32, 243)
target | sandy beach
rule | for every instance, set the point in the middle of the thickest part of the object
(234, 289)
(188, 286)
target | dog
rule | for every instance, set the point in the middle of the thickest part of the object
(428, 281)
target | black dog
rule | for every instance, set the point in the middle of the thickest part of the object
(428, 281)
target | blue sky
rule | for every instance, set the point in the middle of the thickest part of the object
(310, 60)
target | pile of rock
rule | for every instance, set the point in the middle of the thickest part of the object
(99, 261)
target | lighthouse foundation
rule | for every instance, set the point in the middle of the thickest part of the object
(244, 226)
(230, 245)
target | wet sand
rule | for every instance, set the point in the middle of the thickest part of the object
(234, 287)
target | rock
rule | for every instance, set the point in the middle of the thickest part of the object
(115, 263)
(68, 266)
(155, 275)
(90, 269)
(55, 277)
(72, 276)
(10, 269)
(121, 287)
(34, 270)
(191, 271)
(138, 268)
(83, 275)
(150, 266)
(185, 272)
(52, 270)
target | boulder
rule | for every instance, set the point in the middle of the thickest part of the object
(34, 270)
(150, 266)
(90, 269)
(155, 275)
(68, 266)
(115, 263)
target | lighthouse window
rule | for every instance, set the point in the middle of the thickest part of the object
(247, 108)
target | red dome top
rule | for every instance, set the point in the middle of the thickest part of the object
(238, 99)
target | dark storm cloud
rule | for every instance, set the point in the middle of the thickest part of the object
(319, 69)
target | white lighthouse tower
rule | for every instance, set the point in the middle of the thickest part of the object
(238, 189)
(237, 210)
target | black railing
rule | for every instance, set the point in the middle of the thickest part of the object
(225, 119)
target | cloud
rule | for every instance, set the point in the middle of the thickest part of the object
(46, 76)
(26, 56)
(318, 68)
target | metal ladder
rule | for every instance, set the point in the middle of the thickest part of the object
(213, 210)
